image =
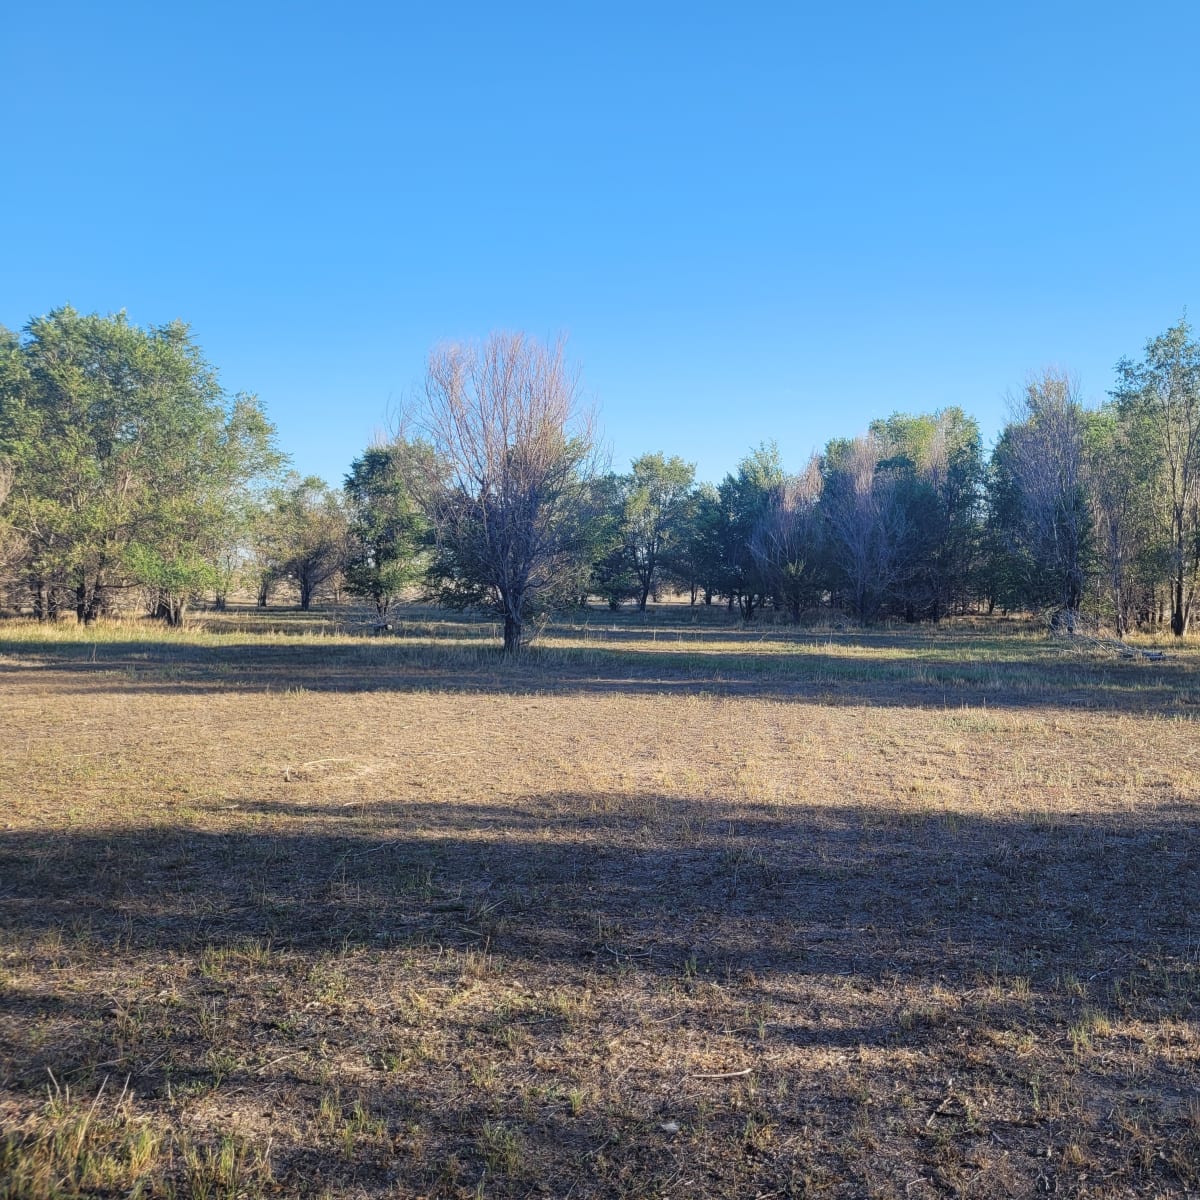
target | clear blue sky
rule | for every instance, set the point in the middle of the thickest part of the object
(772, 221)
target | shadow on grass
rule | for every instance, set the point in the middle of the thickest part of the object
(634, 882)
(274, 947)
(861, 669)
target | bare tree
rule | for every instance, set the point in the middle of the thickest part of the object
(866, 522)
(787, 538)
(505, 482)
(1046, 458)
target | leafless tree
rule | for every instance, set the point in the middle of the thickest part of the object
(867, 524)
(1049, 472)
(786, 540)
(505, 482)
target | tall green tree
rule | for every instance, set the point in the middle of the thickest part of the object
(12, 382)
(1123, 472)
(190, 538)
(936, 464)
(655, 509)
(698, 558)
(611, 574)
(128, 457)
(1162, 390)
(305, 534)
(743, 498)
(387, 534)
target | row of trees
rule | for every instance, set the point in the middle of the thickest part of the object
(1103, 501)
(125, 468)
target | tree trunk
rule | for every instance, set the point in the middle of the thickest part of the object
(512, 635)
(41, 602)
(170, 609)
(87, 601)
(306, 592)
(1178, 615)
(220, 602)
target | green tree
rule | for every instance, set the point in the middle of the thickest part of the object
(1163, 392)
(743, 498)
(190, 538)
(128, 458)
(655, 509)
(387, 534)
(12, 382)
(1002, 574)
(936, 464)
(611, 574)
(305, 534)
(1123, 471)
(696, 559)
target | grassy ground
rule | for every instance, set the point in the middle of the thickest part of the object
(666, 909)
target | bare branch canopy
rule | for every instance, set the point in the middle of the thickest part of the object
(506, 479)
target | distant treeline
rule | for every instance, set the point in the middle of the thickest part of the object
(126, 472)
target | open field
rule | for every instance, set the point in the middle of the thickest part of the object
(664, 909)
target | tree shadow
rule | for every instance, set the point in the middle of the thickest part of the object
(847, 889)
(854, 939)
(867, 669)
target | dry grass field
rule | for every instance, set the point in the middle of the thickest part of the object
(661, 910)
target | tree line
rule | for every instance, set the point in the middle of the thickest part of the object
(127, 472)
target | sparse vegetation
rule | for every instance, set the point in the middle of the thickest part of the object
(665, 904)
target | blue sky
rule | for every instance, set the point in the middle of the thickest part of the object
(752, 222)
